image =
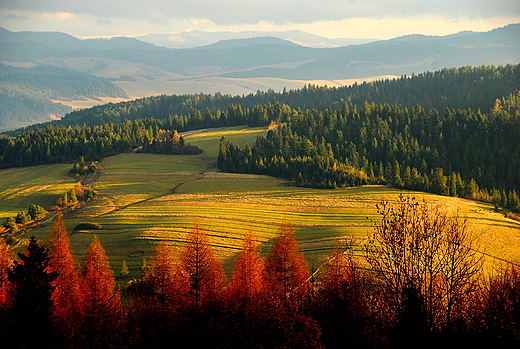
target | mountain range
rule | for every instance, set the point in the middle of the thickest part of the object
(245, 65)
(198, 38)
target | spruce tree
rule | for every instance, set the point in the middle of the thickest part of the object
(32, 296)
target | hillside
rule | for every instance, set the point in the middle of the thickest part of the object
(461, 88)
(262, 56)
(135, 212)
(242, 65)
(30, 95)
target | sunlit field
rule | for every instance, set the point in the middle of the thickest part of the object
(146, 197)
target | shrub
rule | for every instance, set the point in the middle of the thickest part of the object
(514, 216)
(88, 226)
(36, 212)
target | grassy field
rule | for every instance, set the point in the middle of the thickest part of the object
(146, 197)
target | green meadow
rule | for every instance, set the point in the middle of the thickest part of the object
(146, 197)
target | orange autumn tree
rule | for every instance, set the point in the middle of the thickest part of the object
(101, 299)
(6, 287)
(247, 286)
(167, 284)
(202, 269)
(161, 299)
(287, 272)
(341, 304)
(67, 296)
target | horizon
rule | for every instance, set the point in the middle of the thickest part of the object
(370, 20)
(254, 34)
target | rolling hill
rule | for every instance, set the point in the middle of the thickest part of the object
(240, 66)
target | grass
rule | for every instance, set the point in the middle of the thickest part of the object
(146, 197)
(42, 185)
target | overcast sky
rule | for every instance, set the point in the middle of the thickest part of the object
(369, 19)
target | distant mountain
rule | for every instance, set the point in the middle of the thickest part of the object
(267, 56)
(199, 38)
(27, 94)
(248, 42)
(68, 42)
(124, 60)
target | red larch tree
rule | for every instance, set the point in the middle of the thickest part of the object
(203, 270)
(6, 287)
(166, 281)
(102, 304)
(67, 296)
(247, 286)
(287, 272)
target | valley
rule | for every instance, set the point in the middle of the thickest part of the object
(143, 198)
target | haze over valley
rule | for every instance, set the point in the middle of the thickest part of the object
(137, 69)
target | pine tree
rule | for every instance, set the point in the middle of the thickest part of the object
(286, 269)
(124, 268)
(67, 296)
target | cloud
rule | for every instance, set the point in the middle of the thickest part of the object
(15, 17)
(65, 15)
(104, 21)
(228, 12)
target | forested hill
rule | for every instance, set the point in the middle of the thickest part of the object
(26, 94)
(459, 88)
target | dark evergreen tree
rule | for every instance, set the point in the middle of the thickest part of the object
(32, 297)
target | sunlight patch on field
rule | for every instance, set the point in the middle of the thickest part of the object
(147, 197)
(139, 86)
(89, 102)
(41, 185)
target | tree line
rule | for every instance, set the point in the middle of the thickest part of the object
(458, 88)
(419, 284)
(462, 153)
(58, 144)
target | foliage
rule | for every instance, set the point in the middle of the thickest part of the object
(67, 296)
(88, 226)
(404, 148)
(247, 286)
(6, 291)
(348, 304)
(202, 269)
(36, 212)
(170, 142)
(286, 270)
(32, 297)
(102, 304)
(459, 88)
(81, 167)
(425, 256)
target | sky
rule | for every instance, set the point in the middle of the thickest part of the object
(363, 19)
